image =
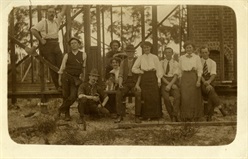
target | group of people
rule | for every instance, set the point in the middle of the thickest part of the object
(188, 80)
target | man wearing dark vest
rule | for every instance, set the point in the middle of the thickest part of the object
(128, 81)
(71, 73)
(46, 31)
(207, 87)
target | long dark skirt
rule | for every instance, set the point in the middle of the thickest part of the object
(150, 95)
(191, 98)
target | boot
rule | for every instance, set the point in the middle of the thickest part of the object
(82, 121)
(209, 118)
(137, 120)
(67, 116)
(58, 113)
(223, 112)
(173, 118)
(119, 119)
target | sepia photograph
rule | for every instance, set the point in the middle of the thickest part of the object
(125, 76)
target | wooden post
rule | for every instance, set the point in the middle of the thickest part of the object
(31, 42)
(68, 27)
(154, 30)
(99, 56)
(161, 22)
(180, 29)
(235, 70)
(43, 107)
(87, 33)
(189, 21)
(12, 56)
(143, 24)
(121, 30)
(103, 46)
(222, 54)
(111, 22)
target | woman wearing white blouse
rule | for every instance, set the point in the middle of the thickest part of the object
(191, 71)
(151, 71)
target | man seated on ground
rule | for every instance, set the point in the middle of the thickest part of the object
(170, 85)
(207, 87)
(128, 81)
(92, 99)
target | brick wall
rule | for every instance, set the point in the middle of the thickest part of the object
(215, 26)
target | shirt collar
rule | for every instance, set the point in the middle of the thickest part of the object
(168, 60)
(189, 55)
(75, 52)
(147, 54)
(205, 60)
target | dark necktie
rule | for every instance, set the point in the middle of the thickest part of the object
(205, 69)
(167, 68)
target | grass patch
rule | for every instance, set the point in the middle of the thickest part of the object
(46, 125)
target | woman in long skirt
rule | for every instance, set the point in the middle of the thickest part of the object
(191, 71)
(149, 67)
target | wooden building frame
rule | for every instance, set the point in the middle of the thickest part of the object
(95, 58)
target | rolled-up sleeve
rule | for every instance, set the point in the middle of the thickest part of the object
(101, 92)
(199, 66)
(81, 89)
(84, 59)
(136, 66)
(213, 68)
(39, 26)
(159, 68)
(180, 67)
(62, 67)
(121, 70)
(176, 69)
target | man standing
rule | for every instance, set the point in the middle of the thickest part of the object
(128, 81)
(208, 91)
(71, 73)
(46, 31)
(170, 84)
(92, 99)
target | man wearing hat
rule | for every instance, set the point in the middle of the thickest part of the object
(92, 98)
(71, 73)
(128, 81)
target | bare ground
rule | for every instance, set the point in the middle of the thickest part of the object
(28, 126)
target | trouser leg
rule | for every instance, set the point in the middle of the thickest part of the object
(167, 102)
(119, 104)
(213, 101)
(176, 103)
(69, 93)
(52, 53)
(82, 103)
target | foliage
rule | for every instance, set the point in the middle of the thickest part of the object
(46, 125)
(131, 29)
(21, 26)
